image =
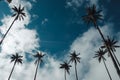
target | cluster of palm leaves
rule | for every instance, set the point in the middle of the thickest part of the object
(74, 58)
(110, 45)
(19, 14)
(18, 59)
(93, 16)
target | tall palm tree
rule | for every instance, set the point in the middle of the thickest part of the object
(19, 14)
(17, 59)
(75, 58)
(66, 68)
(38, 57)
(93, 16)
(100, 55)
(112, 44)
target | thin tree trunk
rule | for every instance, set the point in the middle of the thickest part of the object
(12, 71)
(36, 70)
(7, 31)
(76, 72)
(107, 70)
(113, 60)
(116, 58)
(65, 74)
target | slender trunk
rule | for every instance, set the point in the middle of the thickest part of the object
(116, 58)
(107, 69)
(12, 71)
(7, 31)
(65, 74)
(76, 72)
(36, 70)
(109, 51)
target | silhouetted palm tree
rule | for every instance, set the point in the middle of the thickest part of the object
(93, 16)
(66, 68)
(9, 1)
(38, 57)
(17, 59)
(75, 58)
(112, 44)
(100, 56)
(19, 15)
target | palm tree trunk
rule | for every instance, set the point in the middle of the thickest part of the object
(36, 70)
(116, 58)
(65, 74)
(76, 72)
(7, 31)
(113, 60)
(12, 71)
(107, 69)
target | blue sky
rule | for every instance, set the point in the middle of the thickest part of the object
(64, 24)
(55, 28)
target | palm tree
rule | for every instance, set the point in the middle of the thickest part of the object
(19, 14)
(17, 59)
(112, 44)
(38, 57)
(75, 58)
(93, 16)
(9, 1)
(100, 56)
(66, 68)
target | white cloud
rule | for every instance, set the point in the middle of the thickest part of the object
(74, 4)
(23, 40)
(87, 44)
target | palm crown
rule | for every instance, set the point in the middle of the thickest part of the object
(9, 1)
(99, 54)
(65, 66)
(39, 57)
(111, 44)
(92, 15)
(17, 58)
(74, 57)
(19, 12)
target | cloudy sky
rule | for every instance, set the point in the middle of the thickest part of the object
(55, 28)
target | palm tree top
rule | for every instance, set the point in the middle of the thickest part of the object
(9, 1)
(65, 66)
(92, 15)
(39, 56)
(100, 54)
(17, 58)
(74, 57)
(19, 12)
(111, 43)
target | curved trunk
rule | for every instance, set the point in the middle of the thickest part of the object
(76, 72)
(12, 71)
(109, 51)
(7, 31)
(107, 69)
(36, 70)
